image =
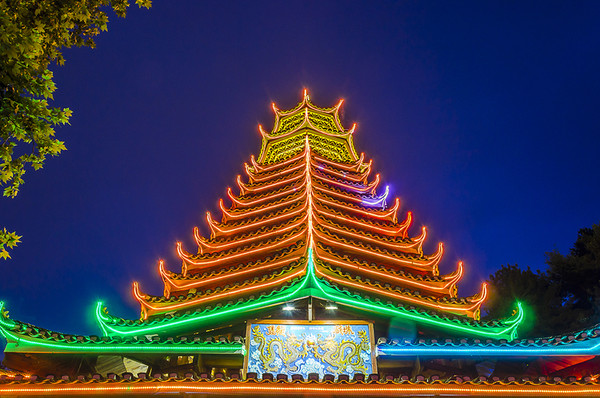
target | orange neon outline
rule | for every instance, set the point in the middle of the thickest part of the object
(388, 215)
(249, 203)
(368, 188)
(307, 122)
(279, 388)
(446, 288)
(342, 195)
(306, 102)
(360, 178)
(207, 245)
(469, 311)
(249, 213)
(254, 177)
(190, 284)
(230, 292)
(247, 189)
(201, 263)
(416, 244)
(394, 231)
(214, 228)
(354, 166)
(276, 166)
(430, 264)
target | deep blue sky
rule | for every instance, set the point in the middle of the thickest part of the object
(482, 116)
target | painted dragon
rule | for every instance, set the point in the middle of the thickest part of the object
(340, 355)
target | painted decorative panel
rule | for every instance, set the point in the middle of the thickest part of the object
(301, 347)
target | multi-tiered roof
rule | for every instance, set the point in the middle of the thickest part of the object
(308, 221)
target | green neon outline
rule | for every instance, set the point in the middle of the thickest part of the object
(4, 319)
(511, 329)
(145, 330)
(233, 348)
(509, 332)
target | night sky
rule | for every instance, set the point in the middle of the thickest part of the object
(483, 117)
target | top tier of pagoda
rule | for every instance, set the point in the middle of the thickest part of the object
(309, 219)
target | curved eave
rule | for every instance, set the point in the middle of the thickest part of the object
(423, 264)
(233, 215)
(151, 308)
(582, 347)
(218, 245)
(347, 140)
(357, 166)
(406, 245)
(197, 262)
(178, 283)
(389, 215)
(20, 343)
(468, 308)
(397, 230)
(222, 230)
(439, 286)
(308, 286)
(363, 189)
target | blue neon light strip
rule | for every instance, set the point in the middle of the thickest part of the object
(586, 347)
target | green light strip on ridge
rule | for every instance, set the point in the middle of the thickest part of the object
(95, 347)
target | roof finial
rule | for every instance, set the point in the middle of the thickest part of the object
(261, 130)
(306, 98)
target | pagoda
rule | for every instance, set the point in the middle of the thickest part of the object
(310, 274)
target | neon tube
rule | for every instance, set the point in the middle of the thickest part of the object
(380, 201)
(244, 189)
(399, 230)
(283, 296)
(205, 245)
(278, 388)
(359, 179)
(415, 246)
(445, 288)
(23, 345)
(389, 215)
(250, 225)
(266, 198)
(455, 309)
(343, 195)
(193, 302)
(208, 262)
(587, 347)
(371, 187)
(382, 308)
(354, 167)
(250, 213)
(307, 122)
(277, 166)
(426, 265)
(256, 178)
(177, 284)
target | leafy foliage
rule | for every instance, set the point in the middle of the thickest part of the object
(32, 36)
(565, 298)
(7, 240)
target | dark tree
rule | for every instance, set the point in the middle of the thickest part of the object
(577, 276)
(534, 290)
(564, 299)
